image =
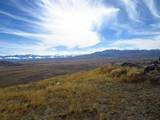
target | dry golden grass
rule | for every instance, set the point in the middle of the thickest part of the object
(76, 96)
(123, 74)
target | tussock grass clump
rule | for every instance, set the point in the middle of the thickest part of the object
(136, 77)
(118, 72)
(123, 74)
(106, 69)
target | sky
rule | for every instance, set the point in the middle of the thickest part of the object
(72, 27)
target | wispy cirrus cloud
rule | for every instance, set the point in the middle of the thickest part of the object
(79, 26)
(131, 8)
(151, 4)
(69, 23)
(137, 43)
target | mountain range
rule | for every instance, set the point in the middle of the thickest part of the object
(103, 54)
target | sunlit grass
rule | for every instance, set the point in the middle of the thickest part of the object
(69, 95)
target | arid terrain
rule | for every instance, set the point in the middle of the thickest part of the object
(79, 59)
(25, 72)
(20, 72)
(80, 90)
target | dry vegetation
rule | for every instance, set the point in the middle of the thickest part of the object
(107, 93)
(123, 74)
(35, 71)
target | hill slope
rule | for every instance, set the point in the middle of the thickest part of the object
(125, 54)
(110, 92)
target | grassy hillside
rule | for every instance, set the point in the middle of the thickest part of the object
(107, 93)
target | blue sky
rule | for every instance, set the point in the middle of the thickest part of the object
(70, 27)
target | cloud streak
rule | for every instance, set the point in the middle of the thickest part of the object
(69, 23)
(131, 8)
(137, 44)
(75, 23)
(152, 7)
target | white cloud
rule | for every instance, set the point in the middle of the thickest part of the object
(131, 8)
(152, 7)
(77, 24)
(69, 23)
(13, 16)
(137, 44)
(74, 23)
(29, 8)
(40, 49)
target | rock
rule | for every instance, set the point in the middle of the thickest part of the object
(149, 68)
(58, 83)
(156, 62)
